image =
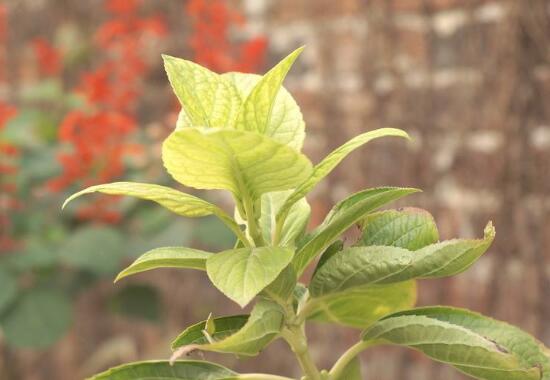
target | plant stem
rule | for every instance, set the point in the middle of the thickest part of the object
(253, 228)
(296, 339)
(348, 356)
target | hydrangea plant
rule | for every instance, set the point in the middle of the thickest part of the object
(243, 133)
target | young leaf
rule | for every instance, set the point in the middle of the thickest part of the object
(322, 169)
(410, 228)
(245, 163)
(167, 257)
(232, 336)
(295, 223)
(207, 99)
(286, 124)
(257, 110)
(225, 326)
(342, 216)
(476, 345)
(175, 201)
(362, 306)
(241, 274)
(163, 370)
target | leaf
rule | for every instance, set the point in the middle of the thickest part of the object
(241, 274)
(162, 370)
(341, 217)
(360, 307)
(362, 266)
(409, 228)
(167, 257)
(352, 371)
(175, 201)
(295, 223)
(256, 113)
(245, 163)
(359, 266)
(96, 249)
(476, 345)
(37, 319)
(231, 336)
(286, 124)
(322, 169)
(447, 258)
(137, 301)
(207, 99)
(8, 289)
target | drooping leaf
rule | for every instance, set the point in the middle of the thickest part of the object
(245, 163)
(163, 370)
(286, 124)
(175, 201)
(295, 223)
(409, 228)
(363, 266)
(242, 273)
(341, 217)
(476, 345)
(360, 307)
(232, 336)
(167, 257)
(37, 319)
(137, 301)
(207, 99)
(322, 169)
(95, 249)
(256, 113)
(8, 289)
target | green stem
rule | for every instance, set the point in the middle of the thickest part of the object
(296, 339)
(253, 228)
(348, 356)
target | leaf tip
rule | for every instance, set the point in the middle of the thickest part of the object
(489, 232)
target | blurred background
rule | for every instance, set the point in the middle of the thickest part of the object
(84, 100)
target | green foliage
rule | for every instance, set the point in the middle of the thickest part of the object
(37, 318)
(137, 301)
(243, 133)
(95, 249)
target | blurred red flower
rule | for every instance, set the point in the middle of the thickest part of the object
(47, 56)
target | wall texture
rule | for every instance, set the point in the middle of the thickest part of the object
(470, 81)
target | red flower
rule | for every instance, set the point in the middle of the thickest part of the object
(49, 59)
(210, 41)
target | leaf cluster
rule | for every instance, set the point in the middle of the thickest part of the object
(243, 133)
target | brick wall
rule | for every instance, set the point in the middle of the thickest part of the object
(470, 81)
